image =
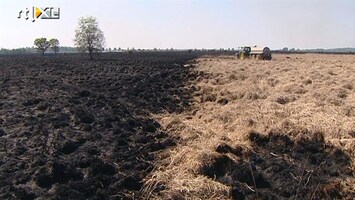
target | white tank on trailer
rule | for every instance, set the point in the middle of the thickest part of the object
(264, 53)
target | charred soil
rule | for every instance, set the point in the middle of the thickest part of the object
(71, 128)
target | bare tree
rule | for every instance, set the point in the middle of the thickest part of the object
(88, 36)
(41, 44)
(54, 44)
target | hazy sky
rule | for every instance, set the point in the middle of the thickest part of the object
(189, 24)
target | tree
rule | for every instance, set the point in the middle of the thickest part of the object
(54, 44)
(285, 49)
(88, 36)
(41, 44)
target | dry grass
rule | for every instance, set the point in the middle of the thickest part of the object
(292, 92)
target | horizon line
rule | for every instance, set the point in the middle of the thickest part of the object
(164, 48)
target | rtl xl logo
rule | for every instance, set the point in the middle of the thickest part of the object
(40, 13)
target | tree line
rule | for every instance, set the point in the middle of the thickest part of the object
(88, 38)
(34, 50)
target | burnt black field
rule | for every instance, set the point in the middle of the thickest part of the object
(71, 128)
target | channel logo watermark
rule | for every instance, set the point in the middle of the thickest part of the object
(40, 13)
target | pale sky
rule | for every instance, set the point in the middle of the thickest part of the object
(189, 23)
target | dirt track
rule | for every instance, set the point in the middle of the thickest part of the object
(177, 125)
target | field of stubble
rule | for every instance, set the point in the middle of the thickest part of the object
(280, 129)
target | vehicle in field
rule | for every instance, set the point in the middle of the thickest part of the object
(261, 53)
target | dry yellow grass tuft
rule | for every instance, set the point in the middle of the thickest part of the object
(295, 95)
